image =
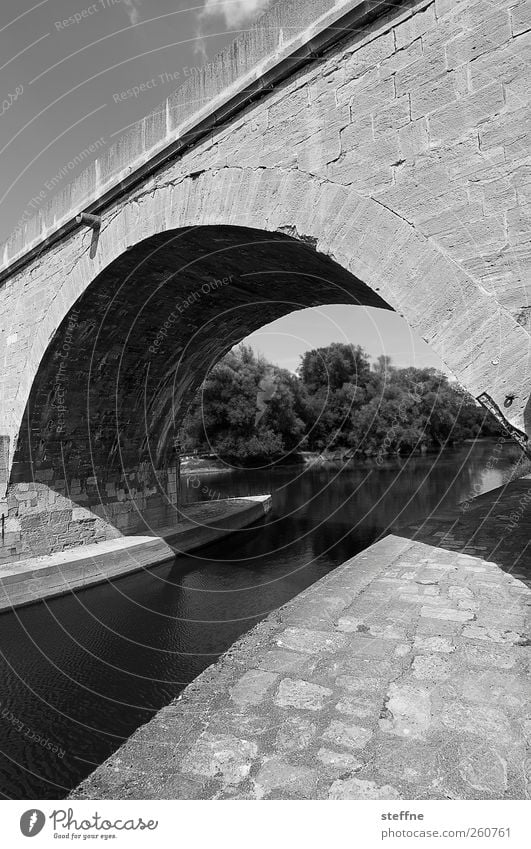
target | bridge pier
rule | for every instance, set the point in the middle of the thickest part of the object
(45, 513)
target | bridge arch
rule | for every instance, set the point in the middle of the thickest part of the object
(183, 270)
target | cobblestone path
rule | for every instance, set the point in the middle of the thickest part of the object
(495, 526)
(402, 674)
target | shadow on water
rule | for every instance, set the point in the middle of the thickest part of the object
(81, 672)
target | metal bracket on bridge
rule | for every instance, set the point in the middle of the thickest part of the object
(94, 222)
(519, 436)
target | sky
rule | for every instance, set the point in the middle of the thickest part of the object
(377, 331)
(62, 65)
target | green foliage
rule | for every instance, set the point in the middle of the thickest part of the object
(249, 409)
(246, 409)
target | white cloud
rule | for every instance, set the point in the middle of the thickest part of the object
(132, 7)
(234, 11)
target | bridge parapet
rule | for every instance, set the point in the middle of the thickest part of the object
(286, 36)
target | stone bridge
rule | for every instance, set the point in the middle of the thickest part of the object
(341, 152)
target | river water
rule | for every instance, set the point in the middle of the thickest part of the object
(79, 673)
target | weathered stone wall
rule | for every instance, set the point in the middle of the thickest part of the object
(401, 157)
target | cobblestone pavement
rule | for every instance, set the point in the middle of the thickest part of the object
(402, 674)
(495, 526)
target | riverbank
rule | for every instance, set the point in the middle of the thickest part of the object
(201, 523)
(402, 674)
(193, 466)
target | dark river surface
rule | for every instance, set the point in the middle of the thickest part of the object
(81, 672)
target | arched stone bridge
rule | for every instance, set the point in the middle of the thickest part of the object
(351, 152)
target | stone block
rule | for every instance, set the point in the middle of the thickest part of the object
(362, 706)
(369, 56)
(415, 27)
(355, 788)
(293, 693)
(279, 775)
(431, 667)
(414, 138)
(303, 640)
(492, 635)
(407, 711)
(446, 613)
(390, 118)
(347, 735)
(222, 756)
(492, 31)
(467, 113)
(365, 94)
(520, 17)
(475, 719)
(434, 644)
(429, 67)
(482, 768)
(295, 734)
(436, 93)
(252, 687)
(339, 762)
(281, 661)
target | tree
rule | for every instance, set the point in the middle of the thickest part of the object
(331, 367)
(246, 409)
(249, 409)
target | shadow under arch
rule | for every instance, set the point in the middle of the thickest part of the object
(95, 452)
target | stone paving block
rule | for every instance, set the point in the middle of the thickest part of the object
(221, 756)
(351, 624)
(300, 639)
(482, 767)
(179, 787)
(475, 719)
(492, 687)
(302, 695)
(295, 734)
(345, 734)
(313, 614)
(277, 774)
(457, 593)
(407, 762)
(358, 666)
(355, 684)
(251, 688)
(472, 769)
(440, 644)
(281, 661)
(447, 613)
(368, 646)
(434, 667)
(339, 762)
(355, 788)
(487, 656)
(492, 635)
(242, 721)
(362, 706)
(407, 711)
(431, 627)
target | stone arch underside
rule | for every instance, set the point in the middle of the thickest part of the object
(217, 255)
